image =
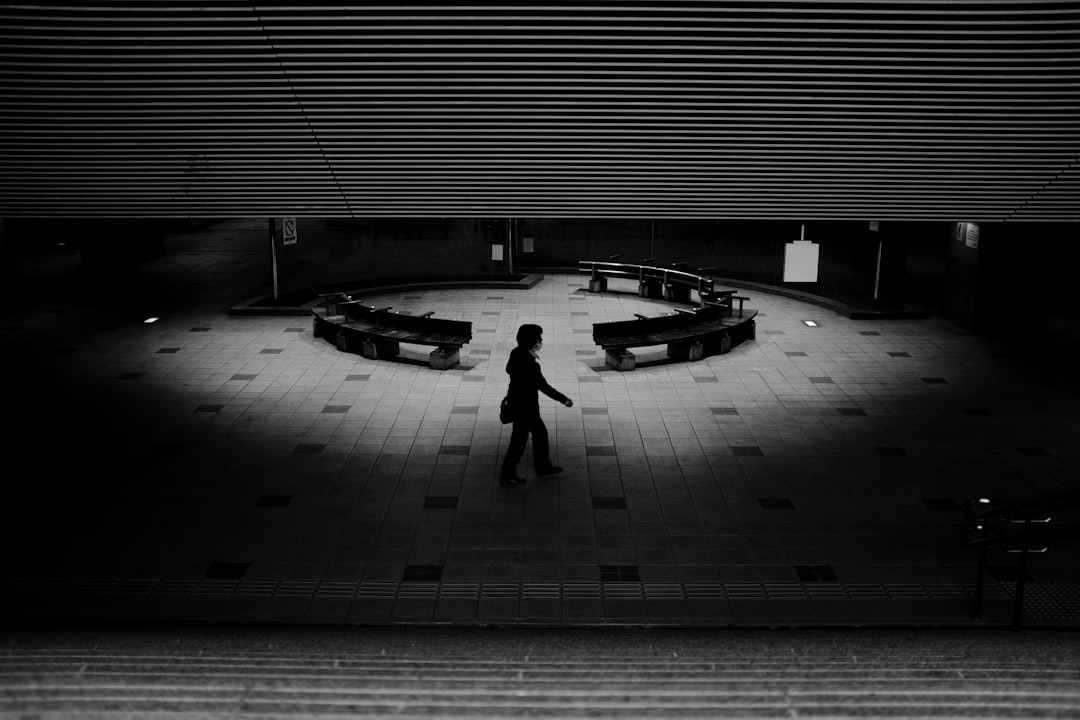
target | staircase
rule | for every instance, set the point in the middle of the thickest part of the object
(290, 672)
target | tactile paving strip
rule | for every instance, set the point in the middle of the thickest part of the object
(1060, 599)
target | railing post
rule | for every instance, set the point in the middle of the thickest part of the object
(1018, 599)
(976, 607)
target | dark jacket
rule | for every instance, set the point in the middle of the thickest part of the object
(526, 381)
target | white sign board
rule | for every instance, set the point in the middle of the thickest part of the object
(288, 231)
(497, 252)
(801, 261)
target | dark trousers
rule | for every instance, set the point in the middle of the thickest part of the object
(519, 436)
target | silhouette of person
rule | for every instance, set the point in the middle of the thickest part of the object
(526, 382)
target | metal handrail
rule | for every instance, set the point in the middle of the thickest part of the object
(1036, 535)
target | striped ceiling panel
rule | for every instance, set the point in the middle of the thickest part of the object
(752, 109)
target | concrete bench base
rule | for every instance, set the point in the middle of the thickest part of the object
(621, 360)
(598, 284)
(380, 349)
(444, 358)
(677, 294)
(650, 289)
(689, 351)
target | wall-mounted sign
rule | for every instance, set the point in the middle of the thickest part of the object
(967, 234)
(527, 245)
(801, 261)
(288, 231)
(497, 252)
(874, 226)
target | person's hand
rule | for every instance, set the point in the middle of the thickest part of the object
(569, 403)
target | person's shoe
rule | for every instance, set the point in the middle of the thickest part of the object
(515, 480)
(550, 470)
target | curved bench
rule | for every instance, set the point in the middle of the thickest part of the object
(376, 332)
(688, 334)
(671, 283)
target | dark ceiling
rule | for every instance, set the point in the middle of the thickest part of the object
(850, 110)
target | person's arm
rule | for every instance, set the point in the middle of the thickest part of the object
(551, 392)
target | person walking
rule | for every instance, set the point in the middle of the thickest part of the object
(526, 382)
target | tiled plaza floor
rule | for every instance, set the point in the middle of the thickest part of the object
(220, 467)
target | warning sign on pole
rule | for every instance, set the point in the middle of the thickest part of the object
(288, 231)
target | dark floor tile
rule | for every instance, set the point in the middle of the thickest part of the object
(816, 573)
(935, 381)
(295, 330)
(891, 451)
(776, 503)
(1033, 451)
(228, 570)
(273, 501)
(899, 354)
(594, 411)
(338, 409)
(706, 379)
(597, 450)
(796, 353)
(357, 378)
(724, 411)
(168, 350)
(129, 376)
(309, 448)
(746, 451)
(244, 376)
(454, 450)
(422, 573)
(435, 502)
(869, 333)
(1007, 573)
(821, 380)
(619, 573)
(209, 408)
(270, 351)
(199, 329)
(465, 410)
(609, 503)
(853, 412)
